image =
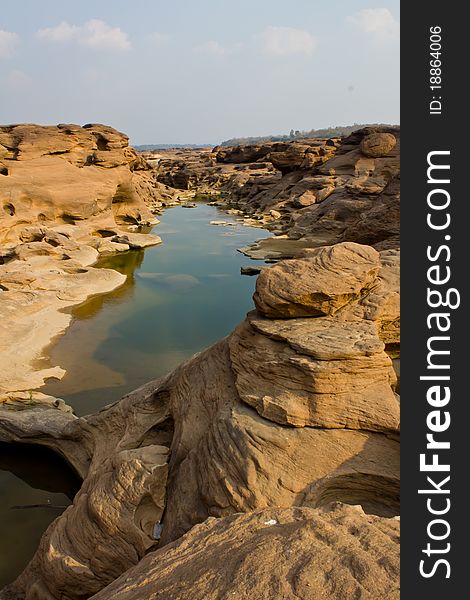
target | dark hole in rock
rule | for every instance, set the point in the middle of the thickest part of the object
(69, 219)
(127, 220)
(123, 194)
(159, 435)
(105, 233)
(101, 143)
(3, 170)
(396, 366)
(7, 257)
(77, 271)
(393, 350)
(36, 485)
(9, 209)
(377, 495)
(40, 467)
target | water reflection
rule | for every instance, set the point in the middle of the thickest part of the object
(180, 297)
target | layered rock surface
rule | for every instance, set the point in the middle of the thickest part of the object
(290, 411)
(68, 195)
(223, 477)
(309, 192)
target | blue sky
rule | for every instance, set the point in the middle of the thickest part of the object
(197, 71)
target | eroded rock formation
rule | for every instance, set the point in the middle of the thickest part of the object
(297, 411)
(275, 553)
(223, 477)
(309, 192)
(68, 196)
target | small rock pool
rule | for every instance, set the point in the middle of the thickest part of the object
(180, 297)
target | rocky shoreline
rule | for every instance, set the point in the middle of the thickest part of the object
(232, 475)
(308, 194)
(70, 195)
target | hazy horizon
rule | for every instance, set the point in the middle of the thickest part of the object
(183, 73)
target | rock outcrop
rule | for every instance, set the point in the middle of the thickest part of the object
(318, 285)
(275, 553)
(70, 174)
(309, 193)
(223, 477)
(68, 195)
(289, 411)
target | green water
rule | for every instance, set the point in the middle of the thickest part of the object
(179, 298)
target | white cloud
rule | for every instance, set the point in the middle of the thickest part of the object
(282, 41)
(211, 47)
(93, 34)
(379, 23)
(8, 42)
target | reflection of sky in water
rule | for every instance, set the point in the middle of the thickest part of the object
(181, 297)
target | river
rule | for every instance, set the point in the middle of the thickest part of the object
(180, 297)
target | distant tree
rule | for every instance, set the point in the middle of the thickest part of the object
(328, 132)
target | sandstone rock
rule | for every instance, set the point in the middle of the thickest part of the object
(32, 311)
(106, 247)
(344, 182)
(346, 185)
(137, 241)
(337, 554)
(289, 159)
(65, 187)
(306, 154)
(306, 199)
(379, 222)
(70, 174)
(376, 145)
(382, 304)
(324, 390)
(251, 270)
(241, 154)
(283, 417)
(321, 283)
(122, 500)
(329, 375)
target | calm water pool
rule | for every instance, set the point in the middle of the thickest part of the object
(35, 487)
(179, 298)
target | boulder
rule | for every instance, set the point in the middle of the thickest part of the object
(377, 145)
(241, 154)
(319, 284)
(316, 373)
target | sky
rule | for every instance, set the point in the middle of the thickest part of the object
(200, 71)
